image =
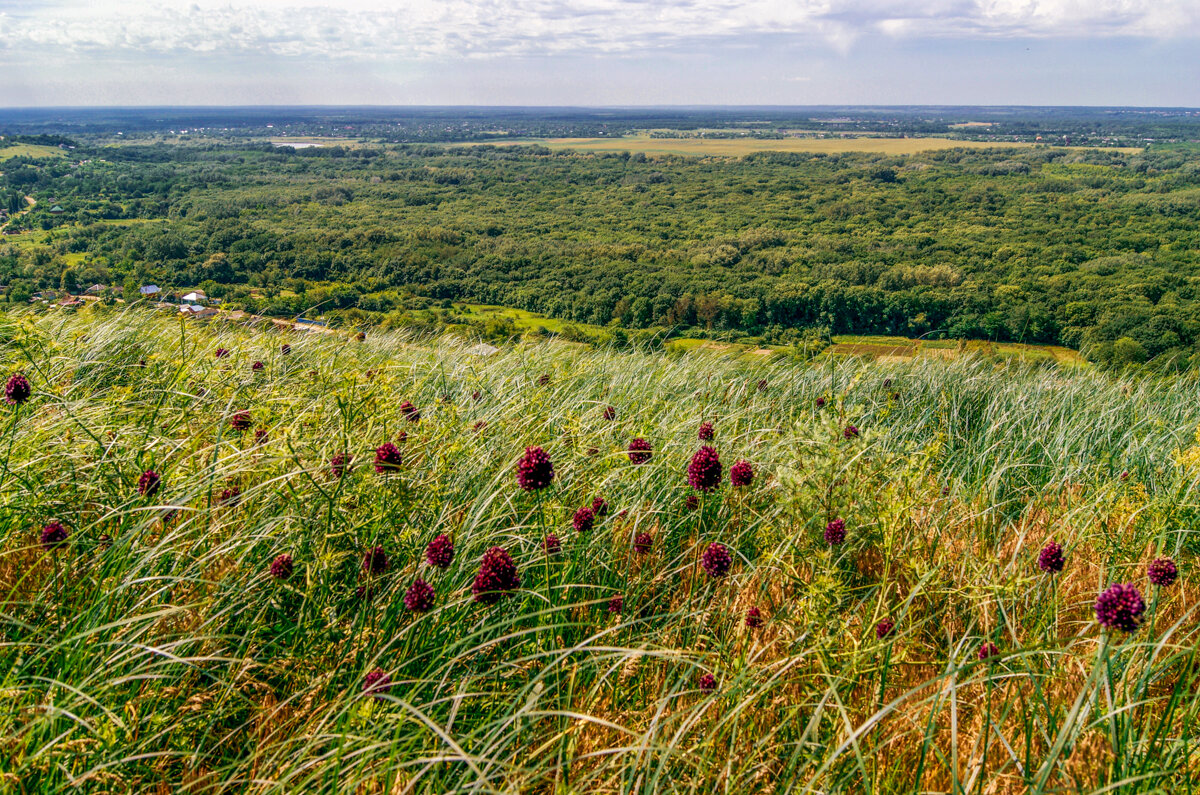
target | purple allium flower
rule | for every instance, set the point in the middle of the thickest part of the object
(716, 560)
(230, 496)
(54, 535)
(497, 576)
(884, 628)
(1050, 559)
(741, 474)
(640, 451)
(285, 349)
(754, 618)
(410, 412)
(402, 437)
(281, 567)
(148, 483)
(894, 396)
(691, 503)
(1162, 572)
(1125, 475)
(600, 507)
(707, 683)
(887, 383)
(819, 402)
(256, 366)
(584, 520)
(365, 592)
(610, 413)
(221, 353)
(988, 650)
(375, 561)
(17, 390)
(261, 436)
(387, 458)
(616, 604)
(704, 470)
(551, 545)
(706, 433)
(534, 470)
(240, 421)
(592, 452)
(850, 432)
(419, 597)
(476, 395)
(440, 552)
(479, 425)
(1120, 607)
(835, 532)
(339, 464)
(762, 385)
(543, 379)
(643, 543)
(376, 683)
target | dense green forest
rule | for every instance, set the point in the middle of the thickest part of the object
(1096, 249)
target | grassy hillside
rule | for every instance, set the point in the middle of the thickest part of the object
(165, 644)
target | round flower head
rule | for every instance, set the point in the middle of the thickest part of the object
(762, 385)
(256, 366)
(610, 413)
(704, 470)
(221, 353)
(741, 474)
(884, 628)
(643, 543)
(835, 532)
(599, 507)
(534, 470)
(1162, 572)
(551, 545)
(419, 597)
(281, 567)
(1125, 475)
(261, 436)
(691, 503)
(1050, 559)
(148, 483)
(1120, 607)
(887, 383)
(819, 402)
(240, 421)
(375, 561)
(497, 576)
(339, 464)
(584, 520)
(988, 650)
(387, 458)
(376, 683)
(17, 390)
(707, 683)
(706, 432)
(410, 412)
(850, 432)
(640, 451)
(479, 425)
(54, 535)
(285, 349)
(402, 437)
(476, 395)
(754, 618)
(616, 604)
(440, 552)
(543, 379)
(716, 560)
(230, 496)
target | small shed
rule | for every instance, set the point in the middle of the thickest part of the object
(149, 289)
(195, 297)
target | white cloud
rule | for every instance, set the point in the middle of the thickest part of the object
(423, 29)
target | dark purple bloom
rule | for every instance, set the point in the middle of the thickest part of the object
(691, 503)
(440, 552)
(819, 402)
(285, 349)
(1050, 559)
(616, 604)
(387, 458)
(410, 412)
(754, 618)
(543, 379)
(850, 432)
(402, 437)
(230, 496)
(148, 483)
(1162, 572)
(551, 545)
(884, 628)
(716, 560)
(376, 683)
(1125, 475)
(706, 433)
(762, 385)
(419, 597)
(256, 366)
(479, 425)
(476, 395)
(704, 470)
(240, 421)
(221, 353)
(640, 451)
(17, 390)
(592, 452)
(375, 561)
(584, 520)
(642, 543)
(600, 507)
(281, 567)
(1120, 607)
(497, 576)
(610, 413)
(741, 474)
(887, 383)
(707, 683)
(988, 650)
(365, 592)
(835, 532)
(534, 470)
(261, 436)
(339, 464)
(54, 535)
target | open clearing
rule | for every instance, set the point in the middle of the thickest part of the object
(29, 150)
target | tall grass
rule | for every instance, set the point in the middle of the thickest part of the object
(156, 653)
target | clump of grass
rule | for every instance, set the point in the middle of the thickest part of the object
(322, 632)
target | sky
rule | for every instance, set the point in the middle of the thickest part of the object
(599, 52)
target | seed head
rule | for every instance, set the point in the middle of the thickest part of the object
(497, 576)
(640, 451)
(54, 536)
(419, 597)
(716, 560)
(17, 390)
(835, 532)
(534, 470)
(375, 561)
(1050, 559)
(440, 552)
(1162, 572)
(281, 567)
(704, 470)
(1120, 607)
(741, 474)
(148, 483)
(387, 458)
(584, 520)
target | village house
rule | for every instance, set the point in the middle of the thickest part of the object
(149, 289)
